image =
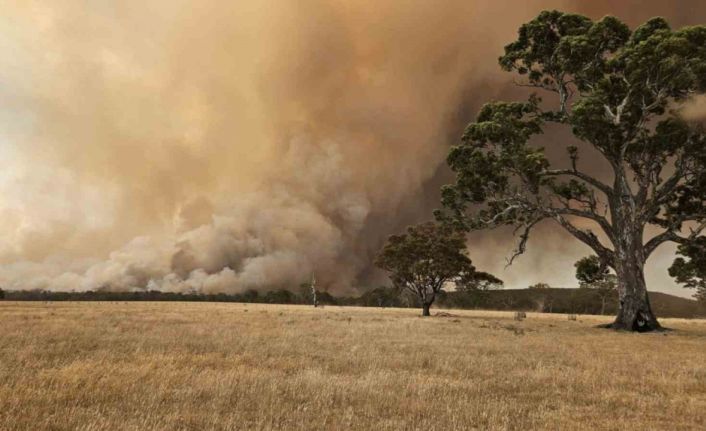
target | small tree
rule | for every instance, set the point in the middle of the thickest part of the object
(381, 297)
(543, 300)
(280, 297)
(689, 268)
(593, 274)
(2, 294)
(304, 293)
(473, 290)
(426, 258)
(478, 281)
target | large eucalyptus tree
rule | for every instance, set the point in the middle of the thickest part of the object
(617, 91)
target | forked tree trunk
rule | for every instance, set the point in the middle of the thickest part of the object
(635, 312)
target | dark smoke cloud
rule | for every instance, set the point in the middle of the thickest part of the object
(220, 146)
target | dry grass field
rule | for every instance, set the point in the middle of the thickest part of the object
(198, 366)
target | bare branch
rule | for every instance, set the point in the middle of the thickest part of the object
(588, 238)
(662, 194)
(616, 116)
(659, 240)
(602, 221)
(492, 221)
(671, 235)
(522, 244)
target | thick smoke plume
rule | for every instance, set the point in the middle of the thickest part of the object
(221, 146)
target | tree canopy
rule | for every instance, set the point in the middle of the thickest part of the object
(427, 257)
(590, 270)
(689, 268)
(618, 91)
(594, 274)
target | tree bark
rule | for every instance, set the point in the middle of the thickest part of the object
(426, 305)
(635, 312)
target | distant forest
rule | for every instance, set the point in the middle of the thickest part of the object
(547, 300)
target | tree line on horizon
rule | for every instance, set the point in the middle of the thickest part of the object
(538, 298)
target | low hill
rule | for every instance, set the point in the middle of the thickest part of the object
(566, 300)
(549, 300)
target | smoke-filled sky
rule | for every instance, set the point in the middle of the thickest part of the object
(227, 145)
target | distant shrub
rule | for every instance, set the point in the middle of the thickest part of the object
(279, 297)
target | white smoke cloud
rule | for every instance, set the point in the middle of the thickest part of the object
(275, 236)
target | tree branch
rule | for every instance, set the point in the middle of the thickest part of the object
(671, 235)
(578, 174)
(588, 238)
(522, 245)
(602, 221)
(661, 194)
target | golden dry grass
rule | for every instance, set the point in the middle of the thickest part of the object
(186, 366)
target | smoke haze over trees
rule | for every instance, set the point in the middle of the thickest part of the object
(226, 146)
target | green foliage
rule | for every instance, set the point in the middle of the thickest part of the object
(590, 270)
(251, 295)
(477, 281)
(539, 286)
(279, 297)
(592, 273)
(382, 297)
(325, 298)
(427, 257)
(690, 267)
(424, 258)
(584, 301)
